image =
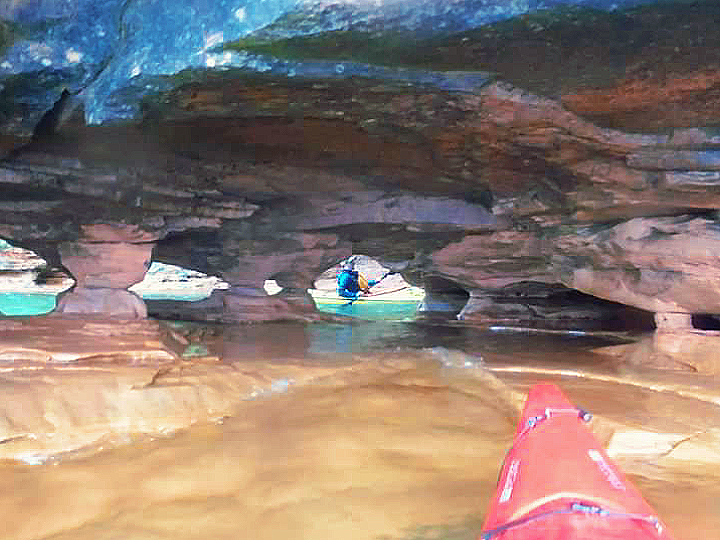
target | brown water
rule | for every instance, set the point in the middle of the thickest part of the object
(398, 439)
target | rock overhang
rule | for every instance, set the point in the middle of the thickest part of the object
(484, 186)
(116, 52)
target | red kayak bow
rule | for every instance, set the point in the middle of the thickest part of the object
(557, 483)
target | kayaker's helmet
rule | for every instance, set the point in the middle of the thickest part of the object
(349, 264)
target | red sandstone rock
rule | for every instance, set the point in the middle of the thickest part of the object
(114, 265)
(661, 264)
(677, 100)
(101, 301)
(531, 174)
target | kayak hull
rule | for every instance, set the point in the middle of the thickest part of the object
(399, 294)
(557, 482)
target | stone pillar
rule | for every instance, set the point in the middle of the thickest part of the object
(105, 261)
(297, 261)
(673, 322)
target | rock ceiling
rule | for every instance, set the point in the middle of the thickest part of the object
(589, 159)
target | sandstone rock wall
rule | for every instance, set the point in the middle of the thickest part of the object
(258, 177)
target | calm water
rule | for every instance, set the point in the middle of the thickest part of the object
(398, 435)
(26, 304)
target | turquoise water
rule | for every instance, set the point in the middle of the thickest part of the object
(39, 304)
(26, 303)
(398, 311)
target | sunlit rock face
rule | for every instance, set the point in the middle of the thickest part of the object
(472, 162)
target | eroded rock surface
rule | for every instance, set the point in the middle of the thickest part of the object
(105, 302)
(576, 209)
(252, 176)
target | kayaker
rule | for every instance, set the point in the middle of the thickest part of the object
(350, 283)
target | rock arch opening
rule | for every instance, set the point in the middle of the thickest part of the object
(29, 285)
(389, 295)
(706, 321)
(175, 292)
(444, 298)
(171, 282)
(553, 306)
(272, 287)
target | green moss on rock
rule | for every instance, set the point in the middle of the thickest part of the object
(388, 49)
(546, 52)
(7, 36)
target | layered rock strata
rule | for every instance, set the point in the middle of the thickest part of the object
(253, 177)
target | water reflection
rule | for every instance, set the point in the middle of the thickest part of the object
(320, 339)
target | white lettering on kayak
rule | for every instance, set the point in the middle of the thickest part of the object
(510, 478)
(606, 470)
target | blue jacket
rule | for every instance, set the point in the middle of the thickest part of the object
(347, 283)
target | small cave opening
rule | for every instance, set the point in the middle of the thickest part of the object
(387, 296)
(182, 269)
(29, 285)
(444, 298)
(553, 306)
(706, 321)
(284, 281)
(177, 293)
(605, 315)
(272, 287)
